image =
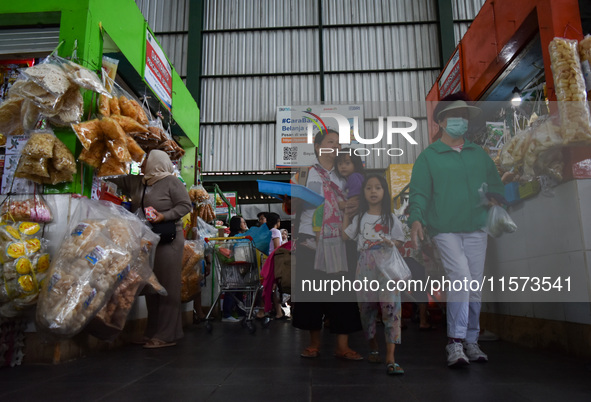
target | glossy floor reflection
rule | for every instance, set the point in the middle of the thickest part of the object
(232, 365)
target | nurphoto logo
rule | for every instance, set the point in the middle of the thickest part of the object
(345, 130)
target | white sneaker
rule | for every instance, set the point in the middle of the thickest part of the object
(230, 319)
(455, 355)
(474, 353)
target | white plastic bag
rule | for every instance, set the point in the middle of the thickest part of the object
(499, 222)
(391, 264)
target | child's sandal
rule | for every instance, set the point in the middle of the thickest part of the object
(394, 369)
(374, 357)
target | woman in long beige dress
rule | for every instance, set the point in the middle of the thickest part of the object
(168, 196)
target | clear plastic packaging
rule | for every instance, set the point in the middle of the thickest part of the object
(94, 155)
(103, 244)
(104, 108)
(137, 153)
(24, 268)
(40, 144)
(129, 125)
(48, 76)
(499, 222)
(10, 115)
(62, 159)
(88, 132)
(570, 91)
(71, 110)
(112, 167)
(30, 208)
(390, 264)
(77, 74)
(191, 277)
(116, 139)
(32, 169)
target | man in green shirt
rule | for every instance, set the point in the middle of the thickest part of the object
(444, 200)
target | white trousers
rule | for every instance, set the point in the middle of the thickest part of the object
(463, 255)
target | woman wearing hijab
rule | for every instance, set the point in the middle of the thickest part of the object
(160, 189)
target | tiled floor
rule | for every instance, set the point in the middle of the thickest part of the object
(232, 365)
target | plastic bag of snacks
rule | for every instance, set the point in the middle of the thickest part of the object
(191, 277)
(24, 266)
(26, 207)
(110, 320)
(102, 244)
(585, 53)
(570, 90)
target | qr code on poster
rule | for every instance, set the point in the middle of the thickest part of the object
(290, 153)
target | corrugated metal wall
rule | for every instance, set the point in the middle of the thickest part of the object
(374, 50)
(257, 55)
(260, 54)
(169, 20)
(464, 11)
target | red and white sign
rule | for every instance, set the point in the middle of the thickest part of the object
(450, 81)
(158, 73)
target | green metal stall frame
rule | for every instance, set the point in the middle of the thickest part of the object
(82, 25)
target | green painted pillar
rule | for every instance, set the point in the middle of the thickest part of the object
(446, 30)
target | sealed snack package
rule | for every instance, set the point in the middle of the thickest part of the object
(191, 277)
(103, 106)
(114, 106)
(109, 71)
(136, 152)
(94, 155)
(32, 169)
(103, 244)
(62, 159)
(48, 76)
(32, 208)
(129, 125)
(571, 92)
(57, 176)
(585, 53)
(10, 115)
(88, 132)
(30, 114)
(116, 139)
(24, 268)
(40, 144)
(112, 167)
(71, 110)
(49, 104)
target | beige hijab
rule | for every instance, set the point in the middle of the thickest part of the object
(158, 166)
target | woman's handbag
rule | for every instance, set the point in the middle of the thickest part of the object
(166, 230)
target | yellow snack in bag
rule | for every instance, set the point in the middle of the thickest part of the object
(29, 228)
(26, 283)
(32, 245)
(15, 250)
(43, 263)
(23, 266)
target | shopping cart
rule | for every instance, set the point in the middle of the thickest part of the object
(237, 270)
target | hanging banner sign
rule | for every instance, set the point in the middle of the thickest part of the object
(158, 73)
(293, 148)
(450, 81)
